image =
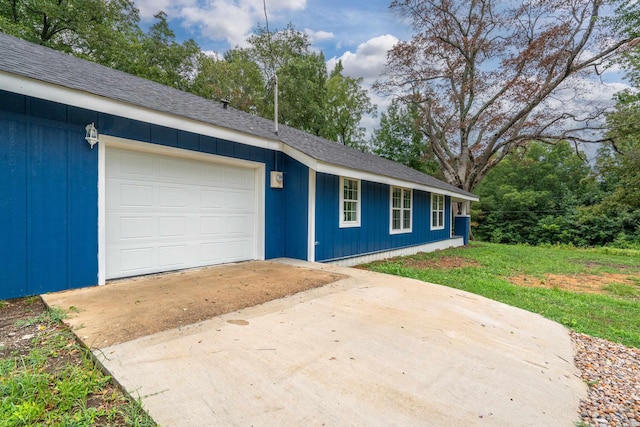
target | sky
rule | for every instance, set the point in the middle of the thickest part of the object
(358, 32)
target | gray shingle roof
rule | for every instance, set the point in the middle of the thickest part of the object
(40, 63)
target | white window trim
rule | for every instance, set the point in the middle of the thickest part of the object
(401, 230)
(356, 223)
(431, 211)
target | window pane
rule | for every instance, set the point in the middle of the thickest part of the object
(407, 199)
(406, 220)
(395, 224)
(395, 200)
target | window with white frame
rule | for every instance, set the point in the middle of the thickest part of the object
(349, 202)
(437, 211)
(401, 202)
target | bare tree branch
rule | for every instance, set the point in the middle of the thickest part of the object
(487, 73)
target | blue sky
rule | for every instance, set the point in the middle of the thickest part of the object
(359, 32)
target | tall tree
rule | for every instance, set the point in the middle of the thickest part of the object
(68, 25)
(163, 59)
(273, 50)
(331, 106)
(483, 73)
(302, 94)
(398, 138)
(235, 77)
(347, 103)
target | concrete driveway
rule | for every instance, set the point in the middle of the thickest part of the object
(370, 349)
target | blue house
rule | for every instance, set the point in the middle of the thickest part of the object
(105, 175)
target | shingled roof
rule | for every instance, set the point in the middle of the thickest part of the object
(26, 59)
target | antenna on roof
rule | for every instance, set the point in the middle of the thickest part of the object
(275, 74)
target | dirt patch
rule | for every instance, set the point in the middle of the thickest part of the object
(127, 309)
(18, 325)
(447, 262)
(585, 283)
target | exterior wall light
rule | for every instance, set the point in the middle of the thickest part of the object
(92, 135)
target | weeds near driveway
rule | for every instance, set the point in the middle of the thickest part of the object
(592, 291)
(48, 378)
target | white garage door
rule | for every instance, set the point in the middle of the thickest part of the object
(167, 213)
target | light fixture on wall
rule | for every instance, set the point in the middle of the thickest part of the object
(92, 135)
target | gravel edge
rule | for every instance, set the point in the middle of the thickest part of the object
(612, 373)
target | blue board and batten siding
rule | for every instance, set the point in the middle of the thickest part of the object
(49, 192)
(373, 234)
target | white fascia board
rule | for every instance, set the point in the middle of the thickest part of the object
(78, 98)
(369, 176)
(298, 155)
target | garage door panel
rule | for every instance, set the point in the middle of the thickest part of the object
(172, 226)
(239, 224)
(212, 253)
(134, 164)
(178, 213)
(136, 195)
(211, 199)
(136, 259)
(172, 255)
(238, 200)
(172, 170)
(210, 175)
(238, 178)
(212, 225)
(136, 227)
(172, 197)
(234, 250)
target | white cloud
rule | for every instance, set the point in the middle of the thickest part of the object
(221, 20)
(148, 8)
(228, 20)
(283, 4)
(369, 59)
(318, 36)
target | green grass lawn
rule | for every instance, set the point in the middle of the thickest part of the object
(613, 313)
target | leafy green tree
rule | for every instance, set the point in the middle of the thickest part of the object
(347, 102)
(302, 97)
(331, 106)
(235, 77)
(163, 59)
(399, 138)
(106, 32)
(533, 196)
(615, 217)
(68, 25)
